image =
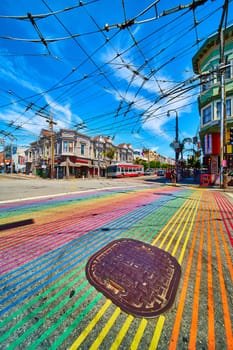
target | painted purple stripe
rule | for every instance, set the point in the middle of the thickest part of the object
(38, 248)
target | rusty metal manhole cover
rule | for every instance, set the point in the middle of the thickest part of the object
(139, 278)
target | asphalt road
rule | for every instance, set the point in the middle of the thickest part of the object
(17, 187)
(49, 229)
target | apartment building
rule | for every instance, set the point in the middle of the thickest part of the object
(70, 154)
(206, 63)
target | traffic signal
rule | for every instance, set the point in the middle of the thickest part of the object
(231, 135)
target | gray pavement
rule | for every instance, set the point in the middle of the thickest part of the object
(17, 187)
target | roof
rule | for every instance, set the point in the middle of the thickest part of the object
(208, 44)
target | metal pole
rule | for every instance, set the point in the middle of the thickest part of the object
(51, 123)
(223, 109)
(176, 141)
(98, 175)
(2, 141)
(222, 130)
(177, 149)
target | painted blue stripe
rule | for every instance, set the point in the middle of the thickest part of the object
(129, 219)
(139, 213)
(41, 285)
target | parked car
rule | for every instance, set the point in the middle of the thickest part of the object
(230, 178)
(149, 172)
(161, 172)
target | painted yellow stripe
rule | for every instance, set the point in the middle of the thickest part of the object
(90, 326)
(160, 323)
(179, 312)
(157, 333)
(139, 334)
(179, 215)
(169, 226)
(106, 329)
(181, 257)
(122, 333)
(182, 227)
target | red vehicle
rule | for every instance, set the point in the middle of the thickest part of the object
(124, 170)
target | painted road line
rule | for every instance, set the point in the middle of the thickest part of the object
(139, 330)
(57, 241)
(182, 297)
(81, 338)
(170, 224)
(226, 210)
(78, 308)
(46, 301)
(196, 294)
(225, 305)
(211, 327)
(90, 326)
(160, 324)
(67, 194)
(208, 214)
(105, 329)
(157, 333)
(138, 335)
(196, 197)
(29, 248)
(122, 333)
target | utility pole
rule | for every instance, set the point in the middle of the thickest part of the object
(222, 67)
(177, 144)
(2, 142)
(51, 124)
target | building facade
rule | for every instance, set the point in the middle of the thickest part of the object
(206, 63)
(70, 154)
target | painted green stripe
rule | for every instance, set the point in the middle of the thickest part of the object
(52, 328)
(38, 298)
(150, 218)
(49, 314)
(74, 324)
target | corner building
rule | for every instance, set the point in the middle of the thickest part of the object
(206, 63)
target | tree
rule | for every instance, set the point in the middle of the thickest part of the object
(110, 153)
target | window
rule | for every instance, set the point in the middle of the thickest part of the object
(228, 107)
(206, 115)
(228, 70)
(82, 149)
(68, 146)
(206, 82)
(219, 108)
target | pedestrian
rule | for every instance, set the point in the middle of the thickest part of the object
(173, 176)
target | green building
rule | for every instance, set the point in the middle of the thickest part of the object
(206, 63)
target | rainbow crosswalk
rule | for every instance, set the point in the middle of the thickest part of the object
(47, 302)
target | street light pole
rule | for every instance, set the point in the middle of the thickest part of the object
(51, 124)
(176, 146)
(222, 68)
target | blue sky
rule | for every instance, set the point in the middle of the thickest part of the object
(111, 68)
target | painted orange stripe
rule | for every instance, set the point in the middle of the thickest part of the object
(226, 249)
(177, 322)
(226, 313)
(211, 329)
(196, 294)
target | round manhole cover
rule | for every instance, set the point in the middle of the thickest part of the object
(139, 278)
